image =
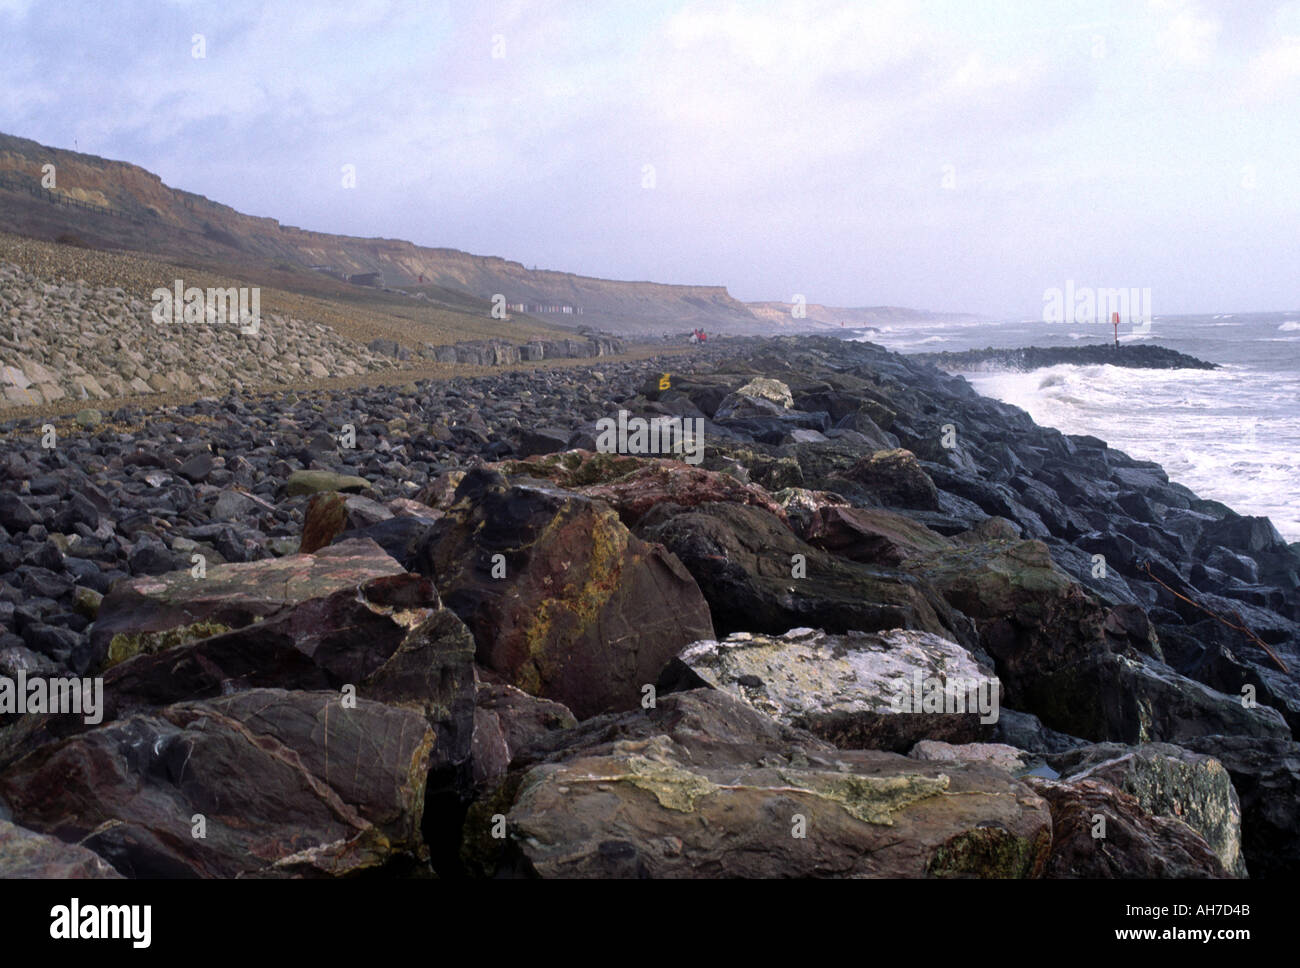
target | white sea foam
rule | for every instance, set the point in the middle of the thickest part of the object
(1210, 430)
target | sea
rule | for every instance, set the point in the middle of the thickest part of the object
(1232, 434)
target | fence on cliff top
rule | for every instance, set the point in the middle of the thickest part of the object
(22, 183)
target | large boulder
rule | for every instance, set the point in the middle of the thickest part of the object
(278, 783)
(895, 478)
(826, 464)
(389, 639)
(1266, 776)
(631, 484)
(1168, 781)
(871, 535)
(507, 720)
(563, 600)
(1133, 844)
(998, 580)
(1136, 699)
(1083, 668)
(765, 420)
(859, 690)
(759, 576)
(703, 785)
(1032, 620)
(570, 468)
(670, 481)
(772, 471)
(154, 613)
(1015, 761)
(765, 388)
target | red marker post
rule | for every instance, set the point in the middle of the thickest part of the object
(1114, 318)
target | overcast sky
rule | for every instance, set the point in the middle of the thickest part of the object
(963, 155)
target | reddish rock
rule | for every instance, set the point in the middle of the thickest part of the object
(286, 784)
(633, 485)
(580, 611)
(507, 720)
(157, 612)
(405, 507)
(326, 517)
(1135, 844)
(330, 514)
(25, 854)
(389, 640)
(669, 481)
(438, 493)
(1168, 781)
(870, 535)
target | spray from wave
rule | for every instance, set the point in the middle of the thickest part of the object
(1204, 428)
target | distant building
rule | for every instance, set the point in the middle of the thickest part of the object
(375, 279)
(330, 271)
(546, 308)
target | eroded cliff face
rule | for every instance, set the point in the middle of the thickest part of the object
(132, 208)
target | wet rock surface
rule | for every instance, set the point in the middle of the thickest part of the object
(1034, 357)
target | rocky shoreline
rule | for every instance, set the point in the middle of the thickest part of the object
(428, 629)
(1143, 356)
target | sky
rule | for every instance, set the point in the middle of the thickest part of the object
(955, 156)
